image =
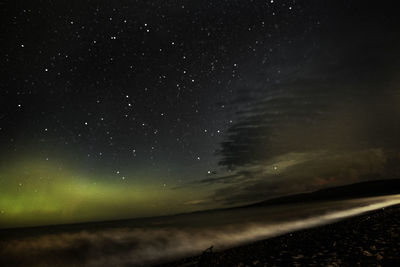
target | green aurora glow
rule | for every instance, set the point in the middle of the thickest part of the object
(39, 193)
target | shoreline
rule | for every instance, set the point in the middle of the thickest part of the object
(372, 238)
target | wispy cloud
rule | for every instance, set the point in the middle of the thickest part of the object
(331, 118)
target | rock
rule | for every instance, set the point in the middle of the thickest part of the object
(300, 256)
(367, 253)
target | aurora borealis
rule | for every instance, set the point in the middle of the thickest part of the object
(113, 110)
(39, 193)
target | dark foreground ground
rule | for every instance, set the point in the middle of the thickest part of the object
(372, 239)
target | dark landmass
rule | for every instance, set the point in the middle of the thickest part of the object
(371, 239)
(363, 189)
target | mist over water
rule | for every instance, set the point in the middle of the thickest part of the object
(161, 239)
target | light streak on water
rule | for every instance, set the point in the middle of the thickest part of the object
(119, 246)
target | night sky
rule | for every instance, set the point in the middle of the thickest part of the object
(123, 109)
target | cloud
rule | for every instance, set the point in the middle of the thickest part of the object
(295, 173)
(197, 202)
(342, 100)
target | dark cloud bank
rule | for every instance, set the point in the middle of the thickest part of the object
(331, 116)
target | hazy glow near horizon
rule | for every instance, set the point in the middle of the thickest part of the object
(39, 193)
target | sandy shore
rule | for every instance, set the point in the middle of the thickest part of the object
(372, 239)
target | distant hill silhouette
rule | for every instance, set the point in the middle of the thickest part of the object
(363, 189)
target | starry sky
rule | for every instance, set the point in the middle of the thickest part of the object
(123, 109)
